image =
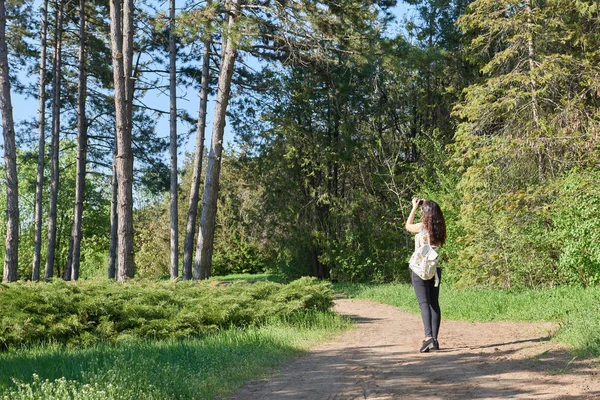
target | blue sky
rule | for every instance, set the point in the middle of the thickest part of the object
(26, 108)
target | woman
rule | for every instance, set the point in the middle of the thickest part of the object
(431, 230)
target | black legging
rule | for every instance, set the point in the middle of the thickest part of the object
(428, 295)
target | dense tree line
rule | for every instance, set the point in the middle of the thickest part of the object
(488, 107)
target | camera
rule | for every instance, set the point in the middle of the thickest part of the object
(420, 202)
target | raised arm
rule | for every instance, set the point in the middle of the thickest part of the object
(410, 225)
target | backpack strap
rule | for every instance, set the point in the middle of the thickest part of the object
(424, 236)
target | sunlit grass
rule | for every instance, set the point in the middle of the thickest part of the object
(187, 369)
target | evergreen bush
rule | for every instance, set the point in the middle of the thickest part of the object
(90, 311)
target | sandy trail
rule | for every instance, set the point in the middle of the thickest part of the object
(380, 360)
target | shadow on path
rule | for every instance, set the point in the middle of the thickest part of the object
(380, 360)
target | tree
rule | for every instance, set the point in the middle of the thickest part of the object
(35, 275)
(317, 133)
(10, 159)
(524, 123)
(76, 234)
(203, 260)
(121, 17)
(173, 141)
(54, 168)
(112, 250)
(190, 228)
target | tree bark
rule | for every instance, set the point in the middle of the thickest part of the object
(190, 228)
(173, 144)
(67, 271)
(204, 248)
(121, 31)
(10, 160)
(37, 250)
(76, 234)
(54, 167)
(112, 252)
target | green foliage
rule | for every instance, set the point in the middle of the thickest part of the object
(212, 367)
(575, 227)
(572, 307)
(251, 278)
(152, 238)
(488, 107)
(524, 126)
(238, 245)
(95, 226)
(93, 311)
(539, 235)
(238, 256)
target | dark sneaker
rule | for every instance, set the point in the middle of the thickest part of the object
(427, 345)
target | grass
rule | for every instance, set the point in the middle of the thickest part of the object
(98, 339)
(575, 309)
(207, 368)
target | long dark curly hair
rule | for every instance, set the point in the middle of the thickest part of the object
(433, 222)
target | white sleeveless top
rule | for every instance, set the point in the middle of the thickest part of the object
(421, 238)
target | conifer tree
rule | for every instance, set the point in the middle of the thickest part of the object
(82, 143)
(203, 260)
(10, 159)
(54, 147)
(35, 275)
(121, 17)
(173, 141)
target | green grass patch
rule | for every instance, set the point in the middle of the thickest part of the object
(212, 367)
(575, 309)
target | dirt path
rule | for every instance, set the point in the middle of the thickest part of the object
(380, 360)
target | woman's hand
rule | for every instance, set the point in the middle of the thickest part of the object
(410, 225)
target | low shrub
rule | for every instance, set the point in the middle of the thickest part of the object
(90, 311)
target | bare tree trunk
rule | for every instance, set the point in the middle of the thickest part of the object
(54, 172)
(37, 250)
(173, 144)
(67, 271)
(204, 248)
(112, 252)
(534, 102)
(121, 32)
(81, 147)
(190, 228)
(10, 160)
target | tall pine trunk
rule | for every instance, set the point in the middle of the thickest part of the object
(69, 263)
(112, 251)
(81, 147)
(37, 248)
(190, 228)
(10, 160)
(204, 248)
(54, 168)
(121, 32)
(173, 144)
